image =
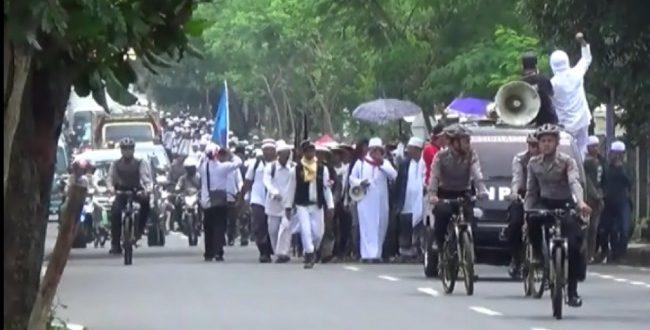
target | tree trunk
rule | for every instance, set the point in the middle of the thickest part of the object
(70, 213)
(17, 62)
(28, 190)
(275, 105)
(287, 104)
(327, 117)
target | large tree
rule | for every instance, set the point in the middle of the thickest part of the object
(49, 47)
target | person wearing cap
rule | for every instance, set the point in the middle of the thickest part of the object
(593, 166)
(342, 220)
(513, 232)
(234, 187)
(310, 194)
(326, 251)
(357, 156)
(431, 149)
(254, 183)
(373, 173)
(616, 218)
(542, 85)
(409, 197)
(168, 138)
(190, 181)
(214, 175)
(553, 182)
(277, 177)
(243, 209)
(569, 98)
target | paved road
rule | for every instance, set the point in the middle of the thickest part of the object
(173, 288)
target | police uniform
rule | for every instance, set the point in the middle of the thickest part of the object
(516, 209)
(452, 177)
(553, 182)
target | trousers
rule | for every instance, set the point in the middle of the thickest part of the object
(581, 137)
(215, 221)
(514, 231)
(408, 235)
(312, 226)
(261, 230)
(281, 228)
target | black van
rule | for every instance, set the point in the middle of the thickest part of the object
(496, 146)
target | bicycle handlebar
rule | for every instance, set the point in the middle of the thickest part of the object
(552, 212)
(460, 200)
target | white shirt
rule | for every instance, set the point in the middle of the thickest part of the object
(258, 192)
(278, 184)
(235, 182)
(219, 173)
(414, 186)
(569, 97)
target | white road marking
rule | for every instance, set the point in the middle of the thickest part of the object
(72, 326)
(539, 329)
(620, 280)
(486, 311)
(637, 283)
(608, 277)
(352, 268)
(177, 234)
(388, 278)
(593, 274)
(429, 291)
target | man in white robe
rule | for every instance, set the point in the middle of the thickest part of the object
(569, 97)
(374, 173)
(409, 197)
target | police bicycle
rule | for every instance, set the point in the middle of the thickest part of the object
(552, 270)
(129, 219)
(457, 251)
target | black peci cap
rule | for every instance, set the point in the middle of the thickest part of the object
(529, 60)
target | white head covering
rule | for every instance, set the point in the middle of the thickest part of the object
(416, 142)
(190, 161)
(618, 146)
(268, 144)
(375, 143)
(321, 147)
(258, 153)
(282, 146)
(593, 140)
(559, 61)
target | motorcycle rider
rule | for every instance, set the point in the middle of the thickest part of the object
(453, 172)
(191, 179)
(513, 232)
(128, 173)
(552, 183)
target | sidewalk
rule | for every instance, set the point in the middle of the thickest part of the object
(638, 254)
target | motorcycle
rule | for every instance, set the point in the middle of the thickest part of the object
(84, 228)
(191, 216)
(101, 216)
(156, 230)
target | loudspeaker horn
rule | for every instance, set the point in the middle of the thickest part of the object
(517, 103)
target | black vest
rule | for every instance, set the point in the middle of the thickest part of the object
(302, 187)
(127, 175)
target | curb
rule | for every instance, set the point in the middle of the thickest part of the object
(637, 256)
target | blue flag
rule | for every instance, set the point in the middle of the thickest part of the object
(221, 119)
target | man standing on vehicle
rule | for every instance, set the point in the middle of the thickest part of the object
(569, 97)
(454, 171)
(128, 173)
(254, 182)
(513, 232)
(542, 85)
(553, 183)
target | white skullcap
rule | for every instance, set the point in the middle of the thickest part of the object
(416, 142)
(258, 153)
(267, 145)
(593, 140)
(321, 147)
(268, 141)
(375, 143)
(618, 146)
(190, 161)
(282, 146)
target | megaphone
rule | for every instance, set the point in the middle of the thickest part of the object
(517, 103)
(358, 191)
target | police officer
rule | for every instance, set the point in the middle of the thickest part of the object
(516, 209)
(552, 183)
(128, 173)
(453, 172)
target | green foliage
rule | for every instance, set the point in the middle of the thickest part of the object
(92, 38)
(619, 35)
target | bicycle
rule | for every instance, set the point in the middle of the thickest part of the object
(553, 268)
(457, 251)
(129, 218)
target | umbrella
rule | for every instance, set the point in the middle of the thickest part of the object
(469, 106)
(382, 111)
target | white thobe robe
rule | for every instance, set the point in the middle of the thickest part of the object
(373, 208)
(414, 197)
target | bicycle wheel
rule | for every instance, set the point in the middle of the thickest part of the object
(467, 261)
(127, 241)
(449, 267)
(557, 280)
(537, 274)
(430, 257)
